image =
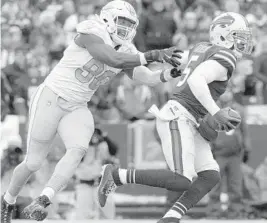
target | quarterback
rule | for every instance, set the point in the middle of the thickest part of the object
(191, 119)
(101, 49)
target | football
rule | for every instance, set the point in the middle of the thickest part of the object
(236, 115)
(231, 113)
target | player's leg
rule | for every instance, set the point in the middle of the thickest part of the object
(183, 141)
(170, 179)
(43, 120)
(76, 129)
(207, 177)
(175, 157)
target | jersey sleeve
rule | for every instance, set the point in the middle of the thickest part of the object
(93, 26)
(226, 59)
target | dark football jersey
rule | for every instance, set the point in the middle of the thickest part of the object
(200, 53)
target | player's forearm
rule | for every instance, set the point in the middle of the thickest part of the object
(107, 54)
(125, 60)
(151, 78)
(200, 89)
(147, 77)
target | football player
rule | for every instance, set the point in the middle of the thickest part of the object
(191, 119)
(101, 49)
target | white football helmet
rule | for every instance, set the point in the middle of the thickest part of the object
(121, 20)
(231, 30)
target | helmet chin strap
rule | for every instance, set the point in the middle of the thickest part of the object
(110, 30)
(115, 43)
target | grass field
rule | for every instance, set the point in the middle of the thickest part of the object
(143, 221)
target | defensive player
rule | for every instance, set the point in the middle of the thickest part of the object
(191, 119)
(99, 52)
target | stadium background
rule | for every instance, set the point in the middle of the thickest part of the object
(34, 34)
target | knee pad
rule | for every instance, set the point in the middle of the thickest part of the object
(76, 154)
(33, 163)
(178, 183)
(211, 176)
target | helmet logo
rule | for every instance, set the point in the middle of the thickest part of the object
(226, 20)
(130, 9)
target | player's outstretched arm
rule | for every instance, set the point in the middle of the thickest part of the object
(151, 78)
(109, 56)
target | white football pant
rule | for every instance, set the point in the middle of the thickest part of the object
(185, 150)
(51, 114)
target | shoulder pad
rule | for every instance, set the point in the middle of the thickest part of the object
(93, 26)
(226, 58)
(201, 47)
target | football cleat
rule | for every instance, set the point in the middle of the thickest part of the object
(107, 184)
(6, 211)
(36, 210)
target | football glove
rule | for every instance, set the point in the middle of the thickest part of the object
(225, 119)
(169, 74)
(175, 72)
(169, 55)
(205, 130)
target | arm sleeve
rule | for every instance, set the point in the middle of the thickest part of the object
(226, 59)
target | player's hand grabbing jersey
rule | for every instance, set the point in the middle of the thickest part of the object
(78, 75)
(199, 54)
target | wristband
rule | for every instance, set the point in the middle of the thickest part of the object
(162, 78)
(214, 110)
(143, 60)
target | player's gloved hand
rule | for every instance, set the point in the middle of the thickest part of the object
(205, 130)
(169, 74)
(225, 119)
(169, 55)
(175, 72)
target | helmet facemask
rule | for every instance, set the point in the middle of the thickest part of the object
(125, 29)
(242, 41)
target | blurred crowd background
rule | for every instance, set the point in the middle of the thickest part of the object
(34, 34)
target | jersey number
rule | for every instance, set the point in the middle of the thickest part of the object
(187, 70)
(93, 72)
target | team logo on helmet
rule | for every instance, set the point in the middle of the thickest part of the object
(130, 9)
(226, 20)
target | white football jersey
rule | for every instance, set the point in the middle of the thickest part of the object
(78, 75)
